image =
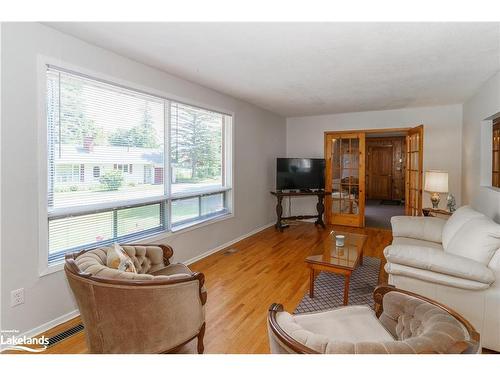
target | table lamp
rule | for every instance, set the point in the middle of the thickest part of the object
(436, 182)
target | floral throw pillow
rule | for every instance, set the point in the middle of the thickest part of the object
(118, 259)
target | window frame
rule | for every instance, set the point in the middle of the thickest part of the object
(75, 174)
(46, 266)
(181, 224)
(98, 174)
(494, 129)
(124, 168)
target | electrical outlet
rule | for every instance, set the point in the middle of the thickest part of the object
(17, 297)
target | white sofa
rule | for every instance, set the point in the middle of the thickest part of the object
(455, 262)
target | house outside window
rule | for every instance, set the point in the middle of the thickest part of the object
(125, 168)
(67, 173)
(108, 144)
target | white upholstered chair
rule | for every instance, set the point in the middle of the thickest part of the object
(402, 323)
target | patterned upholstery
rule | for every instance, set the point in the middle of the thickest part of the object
(153, 311)
(148, 260)
(407, 325)
(421, 325)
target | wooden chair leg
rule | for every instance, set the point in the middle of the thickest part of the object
(347, 279)
(312, 276)
(201, 348)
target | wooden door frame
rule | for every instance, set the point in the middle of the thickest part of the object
(354, 220)
(419, 129)
(371, 131)
(406, 130)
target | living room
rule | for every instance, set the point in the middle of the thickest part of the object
(206, 188)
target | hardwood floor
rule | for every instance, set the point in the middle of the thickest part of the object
(264, 268)
(268, 267)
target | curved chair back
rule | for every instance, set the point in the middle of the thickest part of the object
(123, 313)
(418, 325)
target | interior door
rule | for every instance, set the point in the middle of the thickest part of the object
(414, 171)
(345, 178)
(380, 172)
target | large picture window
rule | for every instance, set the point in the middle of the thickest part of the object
(196, 151)
(109, 176)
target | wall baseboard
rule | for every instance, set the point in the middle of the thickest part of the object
(51, 324)
(227, 244)
(73, 314)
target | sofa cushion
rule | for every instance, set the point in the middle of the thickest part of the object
(173, 269)
(435, 260)
(94, 263)
(417, 326)
(418, 227)
(434, 277)
(415, 242)
(337, 330)
(352, 324)
(477, 239)
(145, 258)
(455, 222)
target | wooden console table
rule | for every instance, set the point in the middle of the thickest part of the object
(436, 212)
(320, 207)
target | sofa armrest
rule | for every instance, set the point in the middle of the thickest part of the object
(418, 227)
(494, 263)
(435, 260)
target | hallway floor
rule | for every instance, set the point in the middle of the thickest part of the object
(379, 215)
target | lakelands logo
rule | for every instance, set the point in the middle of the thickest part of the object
(9, 341)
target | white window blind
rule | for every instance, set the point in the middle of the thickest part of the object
(107, 174)
(196, 148)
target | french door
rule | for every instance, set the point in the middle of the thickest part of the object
(345, 178)
(414, 171)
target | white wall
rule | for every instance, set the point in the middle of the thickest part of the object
(1, 212)
(259, 138)
(442, 139)
(481, 106)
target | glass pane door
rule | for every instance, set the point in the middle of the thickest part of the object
(345, 171)
(414, 168)
(495, 165)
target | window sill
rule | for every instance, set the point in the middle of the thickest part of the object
(59, 266)
(52, 268)
(200, 223)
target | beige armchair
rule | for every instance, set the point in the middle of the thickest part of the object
(157, 310)
(402, 323)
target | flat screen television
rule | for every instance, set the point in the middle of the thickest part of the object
(300, 174)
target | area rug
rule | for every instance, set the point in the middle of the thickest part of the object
(329, 288)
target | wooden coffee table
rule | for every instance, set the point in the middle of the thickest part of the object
(341, 260)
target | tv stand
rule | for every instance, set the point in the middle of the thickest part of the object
(320, 207)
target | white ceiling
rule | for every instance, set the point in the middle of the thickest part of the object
(297, 69)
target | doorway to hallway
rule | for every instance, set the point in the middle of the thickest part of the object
(393, 177)
(378, 212)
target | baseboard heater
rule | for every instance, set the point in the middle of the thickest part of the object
(65, 335)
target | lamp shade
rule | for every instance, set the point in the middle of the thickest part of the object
(436, 181)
